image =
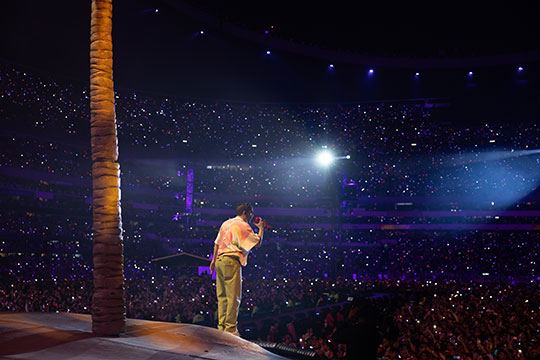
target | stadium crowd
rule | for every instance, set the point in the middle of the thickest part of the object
(435, 316)
(396, 149)
(467, 294)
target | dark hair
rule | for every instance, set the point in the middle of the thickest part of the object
(240, 208)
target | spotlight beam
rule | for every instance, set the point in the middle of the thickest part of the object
(464, 159)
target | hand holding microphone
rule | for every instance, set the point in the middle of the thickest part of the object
(261, 223)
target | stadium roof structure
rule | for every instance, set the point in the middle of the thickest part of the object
(285, 51)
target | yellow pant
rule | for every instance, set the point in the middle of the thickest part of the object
(229, 292)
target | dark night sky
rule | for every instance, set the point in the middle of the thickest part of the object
(160, 52)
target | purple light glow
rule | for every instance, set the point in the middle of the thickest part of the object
(417, 74)
(267, 52)
(266, 32)
(470, 73)
(371, 71)
(520, 69)
(331, 66)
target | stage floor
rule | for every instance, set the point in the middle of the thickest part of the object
(58, 336)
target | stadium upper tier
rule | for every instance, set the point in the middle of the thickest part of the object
(266, 153)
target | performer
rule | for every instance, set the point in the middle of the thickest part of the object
(231, 248)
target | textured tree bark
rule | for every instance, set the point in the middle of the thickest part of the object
(108, 300)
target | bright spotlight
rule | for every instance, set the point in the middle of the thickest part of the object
(325, 158)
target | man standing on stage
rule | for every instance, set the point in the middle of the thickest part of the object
(231, 248)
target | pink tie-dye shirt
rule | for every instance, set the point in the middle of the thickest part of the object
(236, 238)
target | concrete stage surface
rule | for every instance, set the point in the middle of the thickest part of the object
(56, 336)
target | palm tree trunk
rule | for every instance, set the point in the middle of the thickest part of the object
(108, 300)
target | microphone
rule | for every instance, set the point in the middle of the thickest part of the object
(257, 220)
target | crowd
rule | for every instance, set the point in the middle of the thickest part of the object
(421, 317)
(467, 294)
(396, 149)
(40, 225)
(466, 321)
